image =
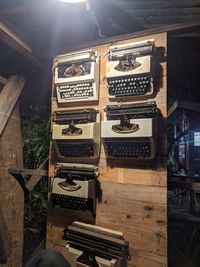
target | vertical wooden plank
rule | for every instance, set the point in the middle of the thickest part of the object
(11, 194)
(4, 239)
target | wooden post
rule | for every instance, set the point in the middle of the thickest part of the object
(11, 194)
(4, 240)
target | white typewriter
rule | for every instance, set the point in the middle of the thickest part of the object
(93, 246)
(128, 70)
(129, 131)
(74, 186)
(77, 77)
(76, 134)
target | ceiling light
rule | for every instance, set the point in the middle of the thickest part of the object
(73, 1)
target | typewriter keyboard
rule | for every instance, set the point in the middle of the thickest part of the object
(122, 148)
(76, 149)
(81, 90)
(132, 86)
(69, 202)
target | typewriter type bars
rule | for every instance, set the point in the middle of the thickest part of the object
(77, 77)
(128, 70)
(74, 187)
(129, 131)
(94, 246)
(76, 134)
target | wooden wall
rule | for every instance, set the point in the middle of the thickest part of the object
(133, 196)
(11, 194)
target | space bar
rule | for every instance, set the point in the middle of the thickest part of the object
(71, 97)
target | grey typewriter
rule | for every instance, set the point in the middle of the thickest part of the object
(74, 187)
(94, 246)
(77, 77)
(129, 131)
(128, 70)
(76, 134)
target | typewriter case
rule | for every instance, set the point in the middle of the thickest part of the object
(132, 138)
(77, 77)
(83, 143)
(129, 70)
(74, 186)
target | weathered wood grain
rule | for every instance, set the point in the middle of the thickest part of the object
(11, 194)
(9, 97)
(133, 195)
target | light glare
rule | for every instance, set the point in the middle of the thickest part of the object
(72, 1)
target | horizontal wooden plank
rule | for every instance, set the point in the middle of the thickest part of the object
(142, 193)
(9, 97)
(163, 12)
(156, 4)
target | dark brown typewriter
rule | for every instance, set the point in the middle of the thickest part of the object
(94, 246)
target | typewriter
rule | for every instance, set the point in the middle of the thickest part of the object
(128, 131)
(77, 77)
(128, 70)
(74, 187)
(94, 246)
(76, 134)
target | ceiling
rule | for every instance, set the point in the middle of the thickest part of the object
(51, 26)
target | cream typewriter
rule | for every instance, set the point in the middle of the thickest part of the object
(128, 70)
(77, 77)
(128, 131)
(94, 246)
(76, 134)
(74, 186)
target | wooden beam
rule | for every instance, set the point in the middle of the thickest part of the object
(3, 80)
(5, 245)
(190, 186)
(35, 178)
(162, 12)
(9, 97)
(156, 4)
(9, 36)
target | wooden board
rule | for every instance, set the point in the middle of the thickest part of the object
(5, 246)
(9, 97)
(11, 194)
(133, 196)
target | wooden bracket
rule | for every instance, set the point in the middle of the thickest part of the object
(36, 176)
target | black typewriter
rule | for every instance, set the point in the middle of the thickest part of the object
(74, 187)
(129, 130)
(94, 246)
(128, 70)
(76, 133)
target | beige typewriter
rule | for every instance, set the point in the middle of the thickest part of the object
(128, 70)
(76, 134)
(94, 246)
(77, 77)
(74, 186)
(129, 131)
